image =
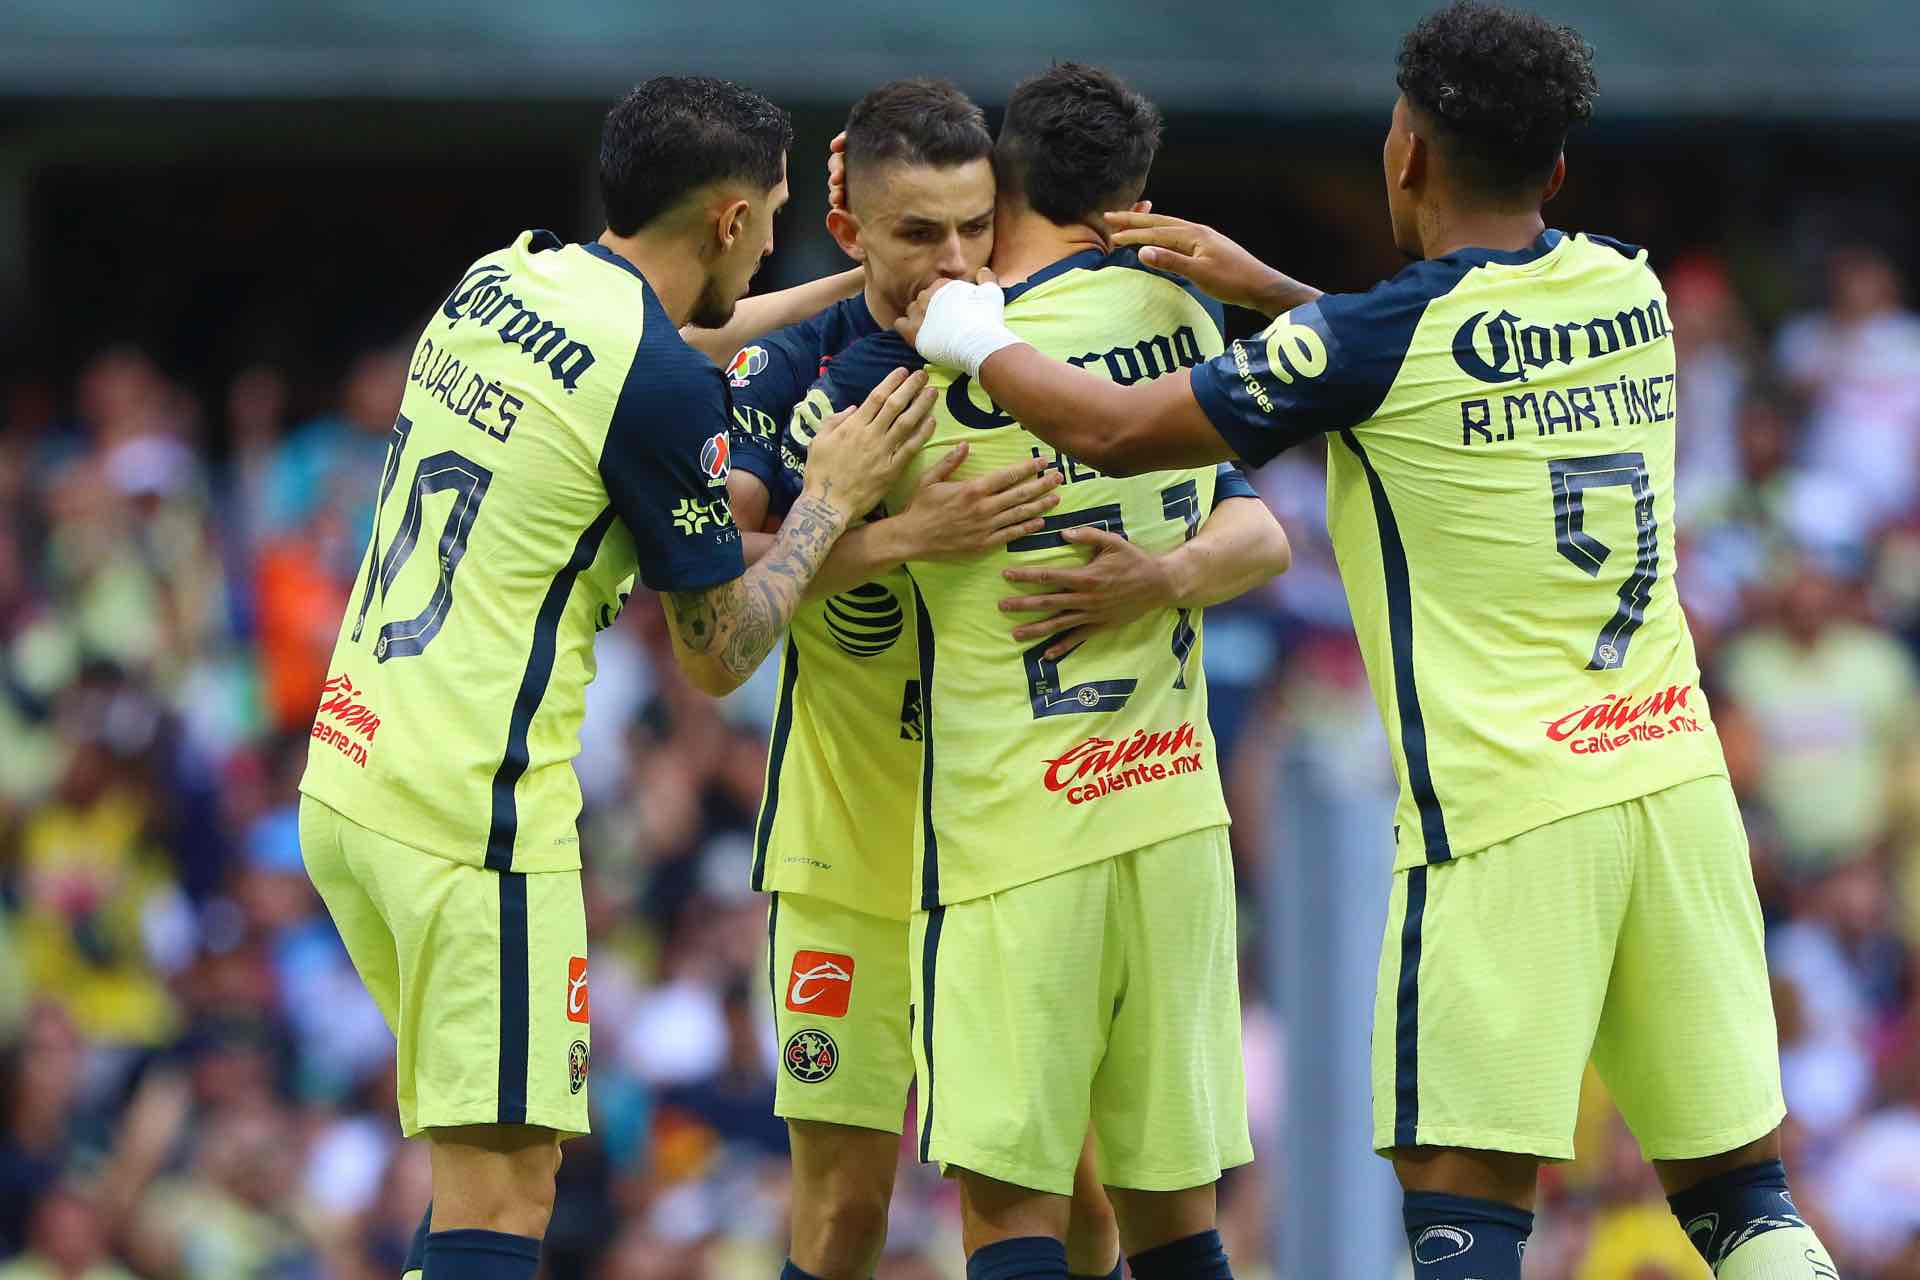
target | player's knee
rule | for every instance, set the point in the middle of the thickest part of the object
(1093, 1236)
(495, 1182)
(845, 1229)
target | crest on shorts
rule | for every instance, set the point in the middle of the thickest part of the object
(810, 1055)
(578, 1058)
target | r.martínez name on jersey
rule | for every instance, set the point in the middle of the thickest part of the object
(1501, 502)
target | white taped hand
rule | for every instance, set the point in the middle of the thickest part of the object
(964, 326)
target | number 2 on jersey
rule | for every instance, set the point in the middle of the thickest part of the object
(438, 473)
(1571, 478)
(1049, 698)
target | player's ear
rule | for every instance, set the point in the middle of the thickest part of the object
(731, 222)
(1557, 179)
(845, 230)
(1413, 168)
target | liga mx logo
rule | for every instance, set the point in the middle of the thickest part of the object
(810, 1056)
(745, 363)
(865, 621)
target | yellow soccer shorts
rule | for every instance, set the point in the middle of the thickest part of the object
(1108, 995)
(482, 975)
(838, 978)
(1630, 936)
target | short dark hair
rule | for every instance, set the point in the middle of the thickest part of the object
(916, 121)
(676, 134)
(1504, 87)
(1076, 141)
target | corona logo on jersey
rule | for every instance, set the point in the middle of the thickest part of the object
(1100, 766)
(483, 296)
(577, 989)
(1620, 720)
(745, 363)
(866, 620)
(820, 982)
(342, 713)
(1512, 345)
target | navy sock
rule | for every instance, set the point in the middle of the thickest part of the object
(1115, 1274)
(1196, 1257)
(1726, 1211)
(470, 1254)
(791, 1272)
(1457, 1237)
(1025, 1258)
(417, 1247)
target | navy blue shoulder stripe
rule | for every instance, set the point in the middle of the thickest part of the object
(1085, 260)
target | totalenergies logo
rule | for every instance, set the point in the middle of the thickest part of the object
(1100, 766)
(1622, 719)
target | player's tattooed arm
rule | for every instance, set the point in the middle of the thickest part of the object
(728, 630)
(722, 633)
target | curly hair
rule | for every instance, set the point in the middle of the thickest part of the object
(1504, 86)
(675, 134)
(1075, 141)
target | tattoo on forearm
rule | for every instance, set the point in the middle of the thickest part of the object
(693, 618)
(745, 617)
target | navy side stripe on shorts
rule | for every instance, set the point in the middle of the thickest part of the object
(930, 953)
(514, 1014)
(1406, 1035)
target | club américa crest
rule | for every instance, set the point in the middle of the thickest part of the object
(810, 1055)
(577, 1060)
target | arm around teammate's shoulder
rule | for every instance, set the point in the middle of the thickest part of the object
(722, 633)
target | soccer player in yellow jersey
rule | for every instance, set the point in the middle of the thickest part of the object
(1572, 878)
(556, 437)
(1073, 938)
(835, 838)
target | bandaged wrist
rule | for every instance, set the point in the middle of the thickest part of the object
(964, 326)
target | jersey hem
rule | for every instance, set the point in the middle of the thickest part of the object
(717, 576)
(769, 884)
(1456, 852)
(478, 864)
(949, 900)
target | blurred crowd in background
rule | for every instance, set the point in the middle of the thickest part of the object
(193, 1083)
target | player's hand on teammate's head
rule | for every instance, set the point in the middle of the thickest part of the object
(952, 519)
(837, 171)
(1121, 582)
(859, 452)
(1214, 263)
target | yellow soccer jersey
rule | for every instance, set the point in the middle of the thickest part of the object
(1501, 503)
(556, 434)
(1031, 767)
(843, 763)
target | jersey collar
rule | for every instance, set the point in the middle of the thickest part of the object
(605, 254)
(1545, 243)
(1086, 259)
